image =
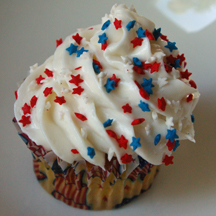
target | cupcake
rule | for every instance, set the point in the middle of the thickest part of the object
(106, 110)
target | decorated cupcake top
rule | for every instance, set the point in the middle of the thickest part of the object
(119, 88)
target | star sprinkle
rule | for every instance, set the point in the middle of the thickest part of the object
(164, 37)
(137, 42)
(135, 143)
(171, 46)
(81, 51)
(74, 151)
(108, 123)
(76, 80)
(98, 63)
(169, 122)
(96, 68)
(78, 90)
(60, 100)
(26, 109)
(25, 120)
(189, 98)
(122, 141)
(90, 152)
(117, 24)
(126, 158)
(177, 63)
(162, 81)
(115, 79)
(162, 104)
(130, 25)
(170, 145)
(192, 84)
(39, 80)
(147, 85)
(167, 160)
(144, 106)
(138, 69)
(16, 94)
(137, 62)
(149, 35)
(102, 38)
(171, 60)
(105, 25)
(155, 67)
(110, 85)
(77, 38)
(104, 46)
(111, 134)
(48, 72)
(47, 91)
(192, 119)
(137, 121)
(127, 108)
(77, 68)
(72, 49)
(171, 134)
(33, 101)
(185, 75)
(59, 42)
(177, 144)
(140, 32)
(80, 116)
(157, 139)
(144, 94)
(181, 57)
(157, 33)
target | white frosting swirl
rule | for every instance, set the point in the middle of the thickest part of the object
(57, 127)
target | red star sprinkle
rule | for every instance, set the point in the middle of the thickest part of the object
(126, 158)
(26, 109)
(155, 67)
(60, 100)
(25, 120)
(144, 94)
(170, 145)
(48, 72)
(33, 101)
(137, 42)
(78, 68)
(117, 23)
(77, 38)
(47, 91)
(189, 98)
(147, 66)
(16, 95)
(78, 90)
(80, 116)
(137, 84)
(74, 151)
(39, 79)
(192, 84)
(167, 160)
(137, 121)
(122, 141)
(59, 42)
(167, 68)
(181, 57)
(111, 134)
(170, 59)
(104, 46)
(115, 79)
(138, 69)
(75, 80)
(185, 75)
(162, 104)
(164, 37)
(149, 35)
(127, 108)
(98, 63)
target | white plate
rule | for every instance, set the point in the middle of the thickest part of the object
(28, 33)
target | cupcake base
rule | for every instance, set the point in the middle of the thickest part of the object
(95, 193)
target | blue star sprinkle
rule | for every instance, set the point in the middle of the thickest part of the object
(102, 38)
(96, 68)
(177, 65)
(171, 46)
(72, 49)
(90, 152)
(157, 139)
(140, 32)
(105, 25)
(157, 33)
(171, 134)
(110, 85)
(147, 85)
(192, 119)
(144, 106)
(130, 25)
(177, 144)
(135, 143)
(81, 51)
(108, 123)
(137, 62)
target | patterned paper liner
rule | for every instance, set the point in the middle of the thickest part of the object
(85, 186)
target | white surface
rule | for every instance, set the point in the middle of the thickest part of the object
(28, 34)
